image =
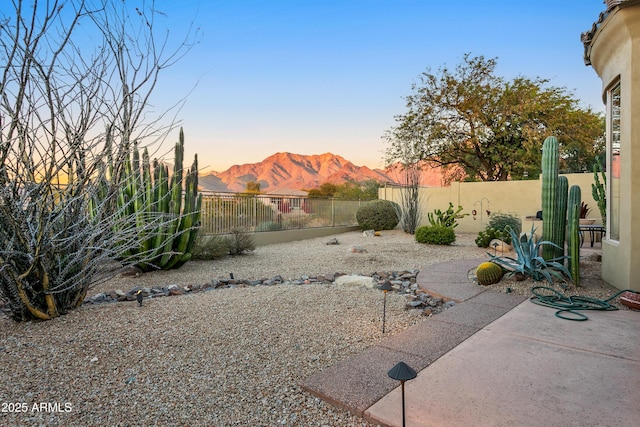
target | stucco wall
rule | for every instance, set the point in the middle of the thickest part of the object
(520, 198)
(270, 237)
(615, 54)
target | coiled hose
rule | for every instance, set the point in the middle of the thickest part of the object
(569, 306)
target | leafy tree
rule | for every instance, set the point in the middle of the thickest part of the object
(325, 190)
(76, 79)
(349, 190)
(253, 187)
(490, 127)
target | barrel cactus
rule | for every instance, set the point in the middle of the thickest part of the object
(489, 273)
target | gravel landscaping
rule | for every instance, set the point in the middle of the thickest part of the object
(225, 357)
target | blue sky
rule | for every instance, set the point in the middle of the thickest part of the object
(316, 76)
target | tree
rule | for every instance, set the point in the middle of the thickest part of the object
(253, 187)
(348, 190)
(325, 190)
(75, 82)
(490, 127)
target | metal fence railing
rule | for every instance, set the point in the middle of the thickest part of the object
(222, 213)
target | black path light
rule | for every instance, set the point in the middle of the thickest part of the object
(402, 372)
(385, 287)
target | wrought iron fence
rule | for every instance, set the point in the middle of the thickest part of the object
(222, 213)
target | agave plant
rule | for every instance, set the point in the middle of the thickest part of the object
(529, 261)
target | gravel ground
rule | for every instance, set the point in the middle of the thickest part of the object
(219, 358)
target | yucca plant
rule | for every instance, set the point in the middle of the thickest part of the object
(529, 261)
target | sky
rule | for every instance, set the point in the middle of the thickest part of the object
(317, 76)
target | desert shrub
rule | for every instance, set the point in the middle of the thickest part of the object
(500, 221)
(498, 228)
(487, 235)
(239, 241)
(269, 226)
(210, 247)
(435, 235)
(378, 215)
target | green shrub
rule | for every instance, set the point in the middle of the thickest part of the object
(500, 221)
(210, 247)
(435, 235)
(498, 228)
(486, 236)
(378, 215)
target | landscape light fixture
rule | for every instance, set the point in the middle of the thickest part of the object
(402, 372)
(385, 287)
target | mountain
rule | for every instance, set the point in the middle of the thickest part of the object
(288, 173)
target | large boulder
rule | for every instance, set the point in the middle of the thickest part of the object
(355, 280)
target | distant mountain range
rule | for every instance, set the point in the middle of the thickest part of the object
(288, 173)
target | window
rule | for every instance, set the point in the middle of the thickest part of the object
(613, 167)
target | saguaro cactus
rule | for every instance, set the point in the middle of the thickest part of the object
(573, 233)
(560, 220)
(166, 223)
(550, 211)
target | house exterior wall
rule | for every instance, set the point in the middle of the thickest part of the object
(615, 56)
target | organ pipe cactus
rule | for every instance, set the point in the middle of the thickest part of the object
(554, 201)
(166, 223)
(573, 233)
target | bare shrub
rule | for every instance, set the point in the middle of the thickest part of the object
(240, 241)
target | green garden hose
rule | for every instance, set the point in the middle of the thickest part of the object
(572, 304)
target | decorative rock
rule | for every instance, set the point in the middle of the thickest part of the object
(369, 233)
(131, 271)
(333, 241)
(402, 282)
(101, 297)
(357, 249)
(499, 245)
(354, 280)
